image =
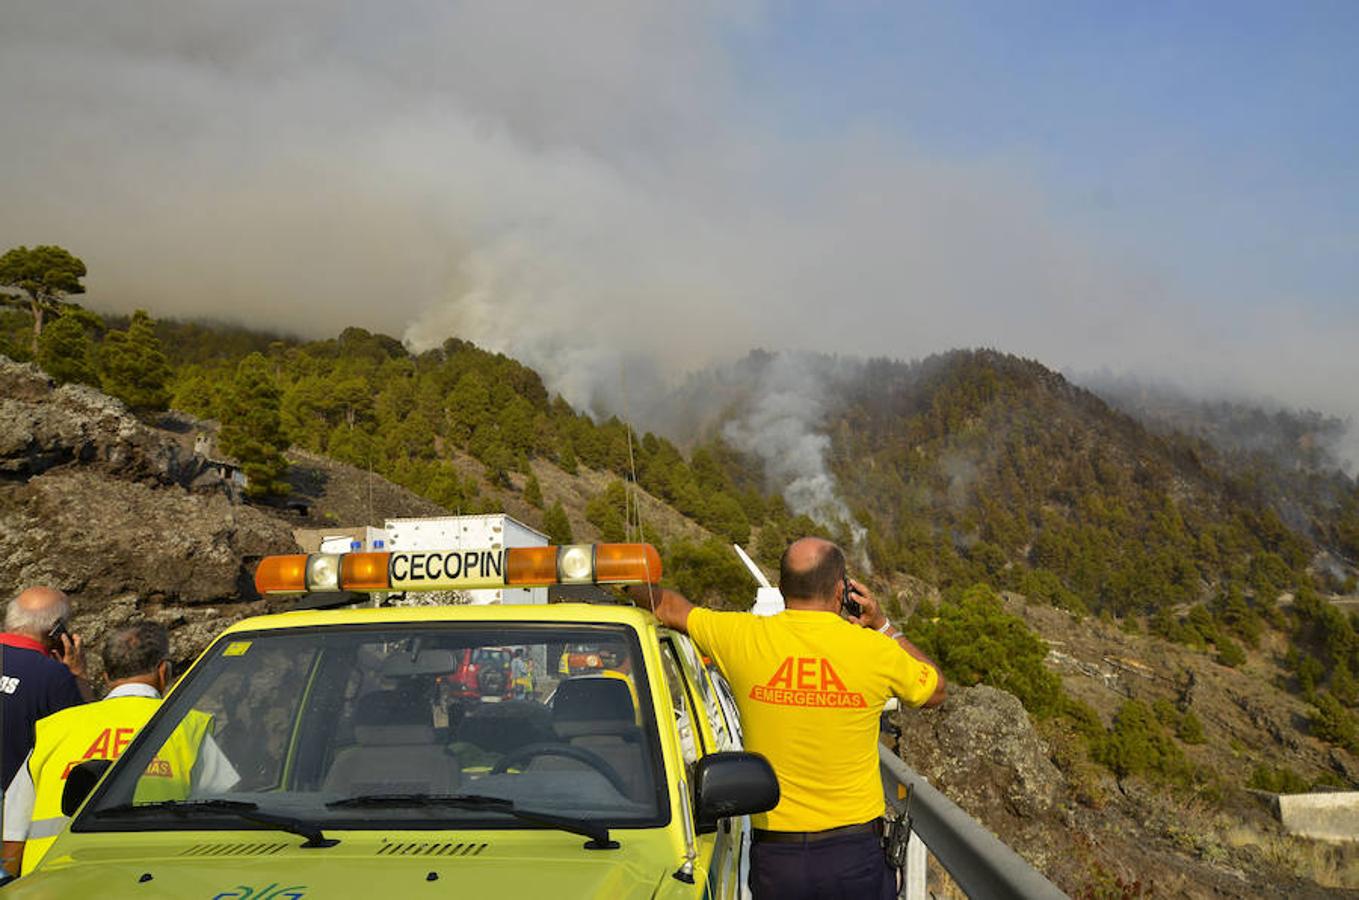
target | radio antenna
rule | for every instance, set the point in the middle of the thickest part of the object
(754, 569)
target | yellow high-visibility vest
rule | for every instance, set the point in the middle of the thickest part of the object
(103, 730)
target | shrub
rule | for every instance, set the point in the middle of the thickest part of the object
(1229, 652)
(1333, 723)
(606, 510)
(1189, 729)
(976, 641)
(1343, 685)
(1139, 745)
(1282, 780)
(710, 573)
(557, 526)
(533, 492)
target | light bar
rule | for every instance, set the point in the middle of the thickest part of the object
(459, 570)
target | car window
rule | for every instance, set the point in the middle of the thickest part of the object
(241, 714)
(726, 700)
(295, 719)
(707, 696)
(680, 707)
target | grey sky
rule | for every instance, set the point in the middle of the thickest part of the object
(594, 186)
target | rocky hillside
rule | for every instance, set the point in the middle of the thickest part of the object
(126, 517)
(1098, 835)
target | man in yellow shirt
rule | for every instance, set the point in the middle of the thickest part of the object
(811, 684)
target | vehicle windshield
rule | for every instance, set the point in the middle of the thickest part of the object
(299, 721)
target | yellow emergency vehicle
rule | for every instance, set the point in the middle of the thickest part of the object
(353, 775)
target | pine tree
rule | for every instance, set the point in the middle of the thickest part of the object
(469, 408)
(195, 393)
(1333, 723)
(566, 459)
(1343, 685)
(533, 492)
(557, 525)
(134, 366)
(252, 430)
(44, 275)
(605, 511)
(65, 352)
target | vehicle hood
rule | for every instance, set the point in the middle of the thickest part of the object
(352, 869)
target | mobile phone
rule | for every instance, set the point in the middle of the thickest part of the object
(57, 630)
(847, 601)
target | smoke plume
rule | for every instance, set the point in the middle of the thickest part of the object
(783, 427)
(605, 191)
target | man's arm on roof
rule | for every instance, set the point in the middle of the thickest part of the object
(671, 607)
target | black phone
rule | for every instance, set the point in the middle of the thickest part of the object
(57, 630)
(847, 601)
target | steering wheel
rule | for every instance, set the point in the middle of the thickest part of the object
(570, 751)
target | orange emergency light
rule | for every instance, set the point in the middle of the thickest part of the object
(435, 570)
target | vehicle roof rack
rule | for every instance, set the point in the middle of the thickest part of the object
(585, 593)
(331, 600)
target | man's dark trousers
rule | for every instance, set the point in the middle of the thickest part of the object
(842, 867)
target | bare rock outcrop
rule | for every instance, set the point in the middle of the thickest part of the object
(43, 426)
(981, 749)
(99, 504)
(99, 537)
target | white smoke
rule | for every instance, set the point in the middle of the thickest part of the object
(585, 185)
(781, 429)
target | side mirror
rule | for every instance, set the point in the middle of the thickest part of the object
(80, 782)
(732, 784)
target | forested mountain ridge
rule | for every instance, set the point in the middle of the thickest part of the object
(976, 465)
(1025, 476)
(1293, 460)
(965, 467)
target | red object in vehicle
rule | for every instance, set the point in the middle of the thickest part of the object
(483, 672)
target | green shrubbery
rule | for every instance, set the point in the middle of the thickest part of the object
(1182, 723)
(1281, 780)
(1139, 744)
(1332, 722)
(557, 526)
(708, 572)
(975, 640)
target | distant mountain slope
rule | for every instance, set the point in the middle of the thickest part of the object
(976, 465)
(1293, 460)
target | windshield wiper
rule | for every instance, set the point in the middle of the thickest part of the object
(598, 834)
(241, 809)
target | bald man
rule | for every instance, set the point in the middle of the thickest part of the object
(44, 670)
(811, 683)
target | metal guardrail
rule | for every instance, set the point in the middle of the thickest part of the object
(981, 864)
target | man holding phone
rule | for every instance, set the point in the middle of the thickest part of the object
(811, 683)
(43, 670)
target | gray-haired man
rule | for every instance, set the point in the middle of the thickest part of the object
(43, 670)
